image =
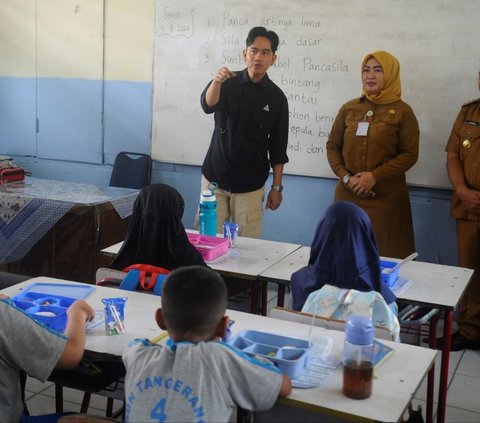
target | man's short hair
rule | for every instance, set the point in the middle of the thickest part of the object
(260, 31)
(194, 298)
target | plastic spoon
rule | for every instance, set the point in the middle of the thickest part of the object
(401, 263)
(311, 324)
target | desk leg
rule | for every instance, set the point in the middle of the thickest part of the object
(431, 373)
(447, 338)
(85, 402)
(281, 295)
(58, 398)
(264, 294)
(259, 292)
(256, 293)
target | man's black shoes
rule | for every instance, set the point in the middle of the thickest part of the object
(458, 343)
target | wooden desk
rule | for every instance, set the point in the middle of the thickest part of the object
(434, 286)
(393, 387)
(58, 228)
(247, 260)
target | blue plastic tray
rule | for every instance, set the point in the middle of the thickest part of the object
(48, 302)
(389, 278)
(290, 355)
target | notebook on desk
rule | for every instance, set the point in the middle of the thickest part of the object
(380, 353)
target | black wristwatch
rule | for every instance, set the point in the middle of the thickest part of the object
(278, 188)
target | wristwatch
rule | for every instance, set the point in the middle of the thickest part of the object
(278, 188)
(346, 178)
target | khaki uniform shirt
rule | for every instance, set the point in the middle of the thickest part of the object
(465, 142)
(390, 147)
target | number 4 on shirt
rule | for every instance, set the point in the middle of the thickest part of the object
(158, 412)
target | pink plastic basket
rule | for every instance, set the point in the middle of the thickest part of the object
(210, 247)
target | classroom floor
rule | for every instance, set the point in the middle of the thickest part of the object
(462, 398)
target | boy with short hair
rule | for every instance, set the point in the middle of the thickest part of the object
(26, 345)
(195, 377)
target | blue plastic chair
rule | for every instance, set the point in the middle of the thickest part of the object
(132, 280)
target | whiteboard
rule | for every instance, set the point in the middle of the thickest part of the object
(322, 44)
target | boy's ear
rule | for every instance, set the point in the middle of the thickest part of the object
(159, 319)
(222, 327)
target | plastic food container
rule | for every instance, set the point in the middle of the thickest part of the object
(389, 278)
(48, 303)
(210, 247)
(290, 355)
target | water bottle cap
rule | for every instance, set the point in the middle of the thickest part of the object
(359, 330)
(208, 195)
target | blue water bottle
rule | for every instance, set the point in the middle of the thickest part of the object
(208, 213)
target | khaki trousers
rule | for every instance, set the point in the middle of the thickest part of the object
(246, 209)
(468, 244)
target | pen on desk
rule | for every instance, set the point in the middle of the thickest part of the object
(159, 338)
(116, 317)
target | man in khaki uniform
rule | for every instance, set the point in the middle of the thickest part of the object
(463, 165)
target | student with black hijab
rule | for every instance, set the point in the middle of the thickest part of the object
(344, 254)
(156, 234)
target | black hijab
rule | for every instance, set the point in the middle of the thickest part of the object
(344, 254)
(156, 234)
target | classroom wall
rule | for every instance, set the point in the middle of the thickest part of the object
(75, 78)
(128, 76)
(123, 122)
(322, 44)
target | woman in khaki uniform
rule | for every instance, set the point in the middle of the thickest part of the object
(373, 142)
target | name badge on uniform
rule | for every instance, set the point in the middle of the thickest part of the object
(362, 129)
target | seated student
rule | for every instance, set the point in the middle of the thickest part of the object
(195, 377)
(156, 234)
(28, 346)
(344, 270)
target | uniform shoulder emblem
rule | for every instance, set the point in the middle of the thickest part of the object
(468, 103)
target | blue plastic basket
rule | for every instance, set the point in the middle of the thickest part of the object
(391, 277)
(47, 303)
(290, 355)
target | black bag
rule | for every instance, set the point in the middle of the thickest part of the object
(95, 372)
(415, 416)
